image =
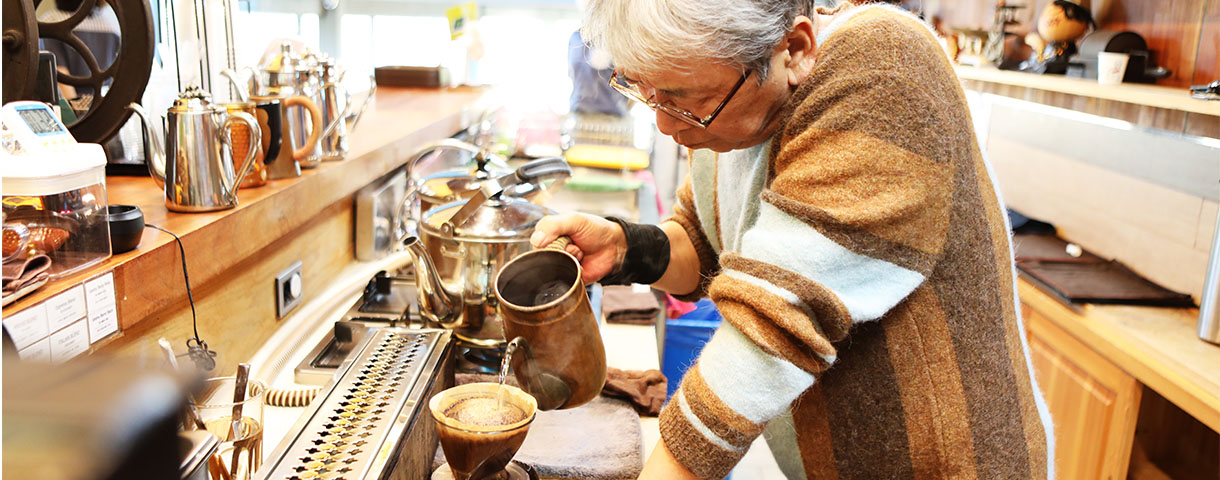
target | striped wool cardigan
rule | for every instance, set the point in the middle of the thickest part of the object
(862, 264)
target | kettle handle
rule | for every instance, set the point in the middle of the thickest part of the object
(341, 117)
(532, 173)
(338, 119)
(560, 243)
(315, 133)
(256, 140)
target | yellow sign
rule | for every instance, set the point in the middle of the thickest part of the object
(460, 17)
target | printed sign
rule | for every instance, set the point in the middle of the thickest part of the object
(460, 17)
(103, 310)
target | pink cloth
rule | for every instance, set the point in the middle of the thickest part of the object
(675, 308)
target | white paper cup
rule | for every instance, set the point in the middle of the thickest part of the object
(1111, 67)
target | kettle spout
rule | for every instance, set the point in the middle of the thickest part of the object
(436, 304)
(243, 93)
(156, 160)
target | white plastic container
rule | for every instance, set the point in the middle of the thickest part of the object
(60, 199)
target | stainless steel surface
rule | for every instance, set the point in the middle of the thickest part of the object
(196, 447)
(242, 91)
(192, 168)
(1209, 306)
(283, 75)
(376, 215)
(388, 300)
(317, 368)
(336, 103)
(462, 268)
(436, 304)
(308, 84)
(527, 178)
(496, 220)
(448, 158)
(290, 110)
(464, 255)
(359, 425)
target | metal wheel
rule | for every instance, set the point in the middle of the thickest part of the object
(20, 50)
(127, 75)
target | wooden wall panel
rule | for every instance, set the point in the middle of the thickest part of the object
(1207, 65)
(236, 308)
(1171, 29)
(1203, 125)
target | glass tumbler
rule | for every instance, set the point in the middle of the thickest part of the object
(241, 448)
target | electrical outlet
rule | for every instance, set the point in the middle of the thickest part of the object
(289, 289)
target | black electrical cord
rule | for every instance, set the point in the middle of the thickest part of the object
(198, 351)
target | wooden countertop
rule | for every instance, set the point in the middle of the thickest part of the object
(1158, 346)
(396, 123)
(1140, 94)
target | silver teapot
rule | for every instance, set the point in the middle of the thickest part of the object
(197, 175)
(463, 244)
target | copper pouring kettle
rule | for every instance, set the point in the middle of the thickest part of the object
(556, 350)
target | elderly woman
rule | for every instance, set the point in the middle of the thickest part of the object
(842, 218)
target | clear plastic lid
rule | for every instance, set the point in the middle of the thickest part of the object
(54, 172)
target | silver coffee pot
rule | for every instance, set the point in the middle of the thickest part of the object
(336, 103)
(196, 174)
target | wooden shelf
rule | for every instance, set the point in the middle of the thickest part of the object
(148, 279)
(1147, 95)
(1157, 346)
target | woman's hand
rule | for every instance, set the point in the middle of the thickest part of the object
(598, 243)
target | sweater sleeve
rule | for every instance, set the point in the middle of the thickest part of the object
(851, 222)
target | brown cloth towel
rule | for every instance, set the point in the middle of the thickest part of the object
(1087, 278)
(623, 304)
(644, 389)
(22, 273)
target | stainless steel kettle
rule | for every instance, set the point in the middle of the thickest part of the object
(195, 172)
(335, 102)
(472, 239)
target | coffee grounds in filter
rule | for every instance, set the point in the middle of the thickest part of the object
(484, 411)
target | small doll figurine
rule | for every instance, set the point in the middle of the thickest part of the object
(1061, 24)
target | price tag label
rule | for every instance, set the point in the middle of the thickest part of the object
(27, 326)
(73, 340)
(66, 308)
(38, 352)
(103, 311)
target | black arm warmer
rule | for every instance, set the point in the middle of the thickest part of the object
(647, 255)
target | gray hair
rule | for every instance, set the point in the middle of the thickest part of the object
(649, 36)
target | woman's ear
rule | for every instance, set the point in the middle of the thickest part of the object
(800, 45)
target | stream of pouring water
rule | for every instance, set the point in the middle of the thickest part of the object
(504, 364)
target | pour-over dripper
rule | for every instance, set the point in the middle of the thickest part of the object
(478, 450)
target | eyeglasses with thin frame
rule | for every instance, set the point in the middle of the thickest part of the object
(633, 92)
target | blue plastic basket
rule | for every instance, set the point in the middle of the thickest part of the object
(684, 339)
